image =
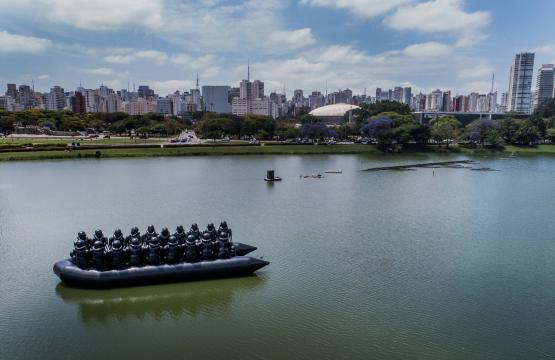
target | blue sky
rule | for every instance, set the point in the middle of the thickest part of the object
(357, 44)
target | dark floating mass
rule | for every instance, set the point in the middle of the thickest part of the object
(155, 257)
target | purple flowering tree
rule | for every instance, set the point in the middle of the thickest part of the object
(315, 131)
(379, 129)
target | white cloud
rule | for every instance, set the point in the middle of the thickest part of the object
(341, 66)
(546, 52)
(102, 71)
(105, 14)
(293, 39)
(342, 54)
(544, 49)
(170, 86)
(428, 49)
(13, 43)
(441, 16)
(196, 63)
(43, 77)
(482, 86)
(125, 56)
(361, 8)
(479, 70)
(238, 27)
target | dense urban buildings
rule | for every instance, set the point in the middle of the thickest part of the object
(249, 97)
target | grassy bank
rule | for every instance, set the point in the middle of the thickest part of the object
(231, 149)
(37, 142)
(191, 151)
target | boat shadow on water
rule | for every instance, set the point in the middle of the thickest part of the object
(211, 297)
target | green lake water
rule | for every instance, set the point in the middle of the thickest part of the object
(426, 264)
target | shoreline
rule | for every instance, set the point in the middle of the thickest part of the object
(268, 149)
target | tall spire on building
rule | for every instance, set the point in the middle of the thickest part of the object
(197, 81)
(249, 69)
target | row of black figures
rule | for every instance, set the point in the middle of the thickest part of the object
(152, 248)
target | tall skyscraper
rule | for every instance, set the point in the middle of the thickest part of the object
(26, 96)
(216, 99)
(447, 102)
(398, 94)
(520, 83)
(544, 84)
(12, 91)
(77, 103)
(55, 99)
(407, 95)
(257, 89)
(245, 89)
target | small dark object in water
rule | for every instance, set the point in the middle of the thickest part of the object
(484, 169)
(333, 172)
(270, 176)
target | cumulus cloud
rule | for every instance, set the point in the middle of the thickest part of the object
(293, 39)
(343, 66)
(428, 49)
(361, 8)
(105, 14)
(170, 86)
(479, 70)
(102, 71)
(342, 54)
(237, 27)
(441, 16)
(546, 51)
(125, 56)
(43, 77)
(13, 43)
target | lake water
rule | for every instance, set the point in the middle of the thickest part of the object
(426, 264)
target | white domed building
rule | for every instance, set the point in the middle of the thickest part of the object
(335, 113)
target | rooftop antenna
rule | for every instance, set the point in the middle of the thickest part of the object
(33, 83)
(133, 87)
(127, 85)
(248, 69)
(491, 96)
(197, 81)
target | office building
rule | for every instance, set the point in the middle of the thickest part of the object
(544, 84)
(216, 99)
(520, 83)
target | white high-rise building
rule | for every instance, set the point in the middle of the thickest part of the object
(520, 83)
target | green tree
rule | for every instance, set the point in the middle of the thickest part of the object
(550, 135)
(526, 133)
(6, 123)
(445, 128)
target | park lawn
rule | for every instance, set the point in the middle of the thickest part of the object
(191, 151)
(8, 142)
(524, 150)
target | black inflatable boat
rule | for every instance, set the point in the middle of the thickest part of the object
(155, 258)
(70, 274)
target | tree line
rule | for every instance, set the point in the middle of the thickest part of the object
(117, 123)
(386, 123)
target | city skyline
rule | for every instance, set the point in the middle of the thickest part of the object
(446, 44)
